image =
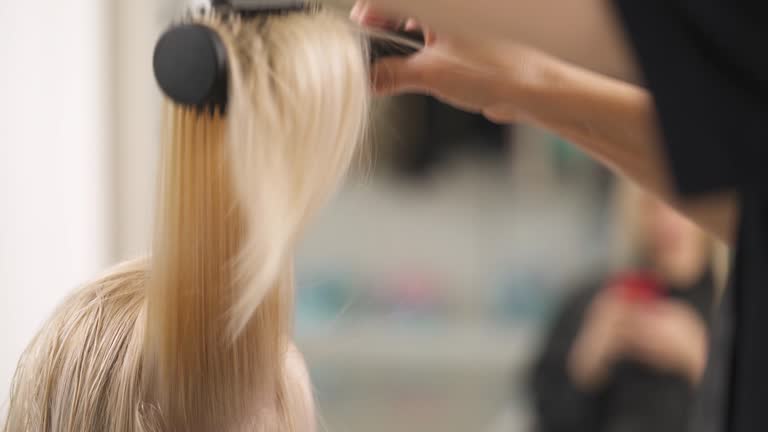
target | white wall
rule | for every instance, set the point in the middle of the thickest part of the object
(55, 183)
(138, 23)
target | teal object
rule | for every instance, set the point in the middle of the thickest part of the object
(567, 152)
(522, 298)
(322, 299)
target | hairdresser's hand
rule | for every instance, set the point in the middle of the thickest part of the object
(480, 78)
(599, 343)
(668, 335)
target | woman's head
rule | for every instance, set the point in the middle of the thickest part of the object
(83, 370)
(197, 337)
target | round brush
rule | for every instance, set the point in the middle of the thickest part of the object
(190, 61)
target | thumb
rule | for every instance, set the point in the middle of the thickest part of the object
(394, 75)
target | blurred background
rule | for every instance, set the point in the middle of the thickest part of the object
(425, 287)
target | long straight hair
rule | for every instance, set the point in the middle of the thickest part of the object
(198, 338)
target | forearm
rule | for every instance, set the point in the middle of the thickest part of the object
(584, 32)
(615, 123)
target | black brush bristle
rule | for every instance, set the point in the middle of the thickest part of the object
(382, 47)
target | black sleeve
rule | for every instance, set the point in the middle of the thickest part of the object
(711, 398)
(705, 63)
(644, 399)
(559, 405)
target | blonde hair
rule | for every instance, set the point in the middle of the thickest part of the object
(197, 337)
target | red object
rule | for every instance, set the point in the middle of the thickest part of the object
(637, 287)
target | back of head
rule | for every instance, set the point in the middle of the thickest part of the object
(83, 370)
(197, 338)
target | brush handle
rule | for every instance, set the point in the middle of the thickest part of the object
(260, 6)
(381, 48)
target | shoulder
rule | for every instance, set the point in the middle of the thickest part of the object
(296, 367)
(299, 384)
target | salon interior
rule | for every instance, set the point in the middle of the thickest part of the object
(428, 289)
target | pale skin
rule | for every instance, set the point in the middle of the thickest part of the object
(508, 82)
(298, 373)
(566, 29)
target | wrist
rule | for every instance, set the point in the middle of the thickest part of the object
(514, 74)
(540, 87)
(694, 364)
(587, 369)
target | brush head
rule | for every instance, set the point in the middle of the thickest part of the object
(190, 65)
(190, 60)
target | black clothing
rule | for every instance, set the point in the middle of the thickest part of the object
(705, 63)
(711, 396)
(636, 399)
